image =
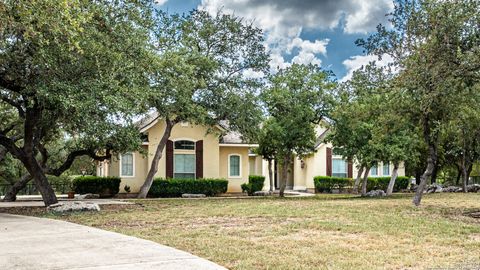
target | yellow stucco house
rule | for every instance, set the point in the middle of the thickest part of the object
(195, 151)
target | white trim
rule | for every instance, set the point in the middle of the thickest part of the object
(149, 126)
(183, 139)
(238, 145)
(133, 166)
(239, 166)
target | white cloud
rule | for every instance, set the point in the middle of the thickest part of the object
(281, 37)
(160, 2)
(280, 16)
(355, 62)
(251, 74)
(306, 58)
(367, 16)
(283, 22)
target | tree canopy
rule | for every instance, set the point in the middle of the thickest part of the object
(70, 68)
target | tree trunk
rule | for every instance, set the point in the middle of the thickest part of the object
(285, 165)
(418, 177)
(156, 159)
(459, 175)
(365, 180)
(433, 178)
(11, 194)
(431, 161)
(41, 181)
(357, 180)
(270, 174)
(393, 178)
(464, 179)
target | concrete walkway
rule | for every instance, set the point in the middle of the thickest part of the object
(40, 243)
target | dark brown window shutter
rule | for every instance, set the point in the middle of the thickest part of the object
(329, 161)
(350, 169)
(199, 159)
(169, 160)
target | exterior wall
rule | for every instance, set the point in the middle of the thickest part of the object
(314, 165)
(234, 183)
(140, 172)
(179, 132)
(188, 132)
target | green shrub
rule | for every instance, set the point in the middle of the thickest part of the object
(176, 187)
(104, 186)
(382, 183)
(327, 183)
(255, 183)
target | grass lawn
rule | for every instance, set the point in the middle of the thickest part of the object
(325, 231)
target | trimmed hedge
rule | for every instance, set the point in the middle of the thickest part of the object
(327, 183)
(382, 183)
(168, 188)
(104, 186)
(255, 183)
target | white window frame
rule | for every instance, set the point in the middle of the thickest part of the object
(383, 169)
(338, 157)
(133, 165)
(192, 154)
(239, 166)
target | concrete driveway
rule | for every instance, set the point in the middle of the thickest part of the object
(40, 243)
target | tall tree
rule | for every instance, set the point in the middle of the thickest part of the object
(298, 98)
(435, 45)
(356, 116)
(202, 75)
(70, 68)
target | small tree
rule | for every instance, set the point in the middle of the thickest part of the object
(267, 146)
(200, 75)
(298, 98)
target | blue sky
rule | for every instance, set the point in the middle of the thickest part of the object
(304, 31)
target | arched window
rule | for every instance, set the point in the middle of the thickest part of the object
(184, 145)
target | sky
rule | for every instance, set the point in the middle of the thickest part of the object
(320, 32)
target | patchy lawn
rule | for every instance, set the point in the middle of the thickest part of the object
(325, 231)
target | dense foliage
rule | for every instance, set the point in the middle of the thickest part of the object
(104, 186)
(201, 74)
(176, 187)
(297, 100)
(255, 183)
(327, 183)
(70, 69)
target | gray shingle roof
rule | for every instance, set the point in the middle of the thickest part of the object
(228, 137)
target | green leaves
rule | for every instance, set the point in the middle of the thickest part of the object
(199, 70)
(298, 98)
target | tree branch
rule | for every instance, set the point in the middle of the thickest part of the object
(73, 155)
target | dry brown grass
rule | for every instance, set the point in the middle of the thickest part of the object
(322, 232)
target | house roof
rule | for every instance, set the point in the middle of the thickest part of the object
(321, 138)
(228, 137)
